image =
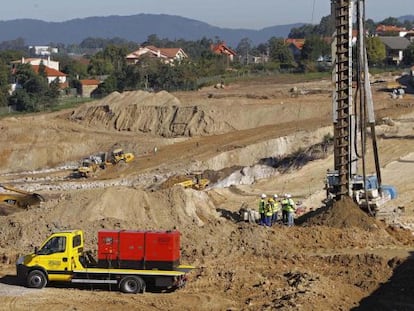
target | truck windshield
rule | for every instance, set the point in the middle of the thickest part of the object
(54, 245)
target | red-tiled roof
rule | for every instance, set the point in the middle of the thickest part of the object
(222, 48)
(50, 72)
(298, 43)
(89, 82)
(389, 28)
(169, 53)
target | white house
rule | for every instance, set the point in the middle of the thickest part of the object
(36, 61)
(167, 55)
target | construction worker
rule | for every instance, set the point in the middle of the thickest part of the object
(269, 212)
(276, 208)
(288, 210)
(262, 204)
(284, 203)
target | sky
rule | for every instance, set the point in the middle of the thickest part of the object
(250, 14)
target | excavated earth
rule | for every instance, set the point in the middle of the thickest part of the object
(249, 138)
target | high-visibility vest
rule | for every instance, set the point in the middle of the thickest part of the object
(276, 207)
(262, 204)
(269, 208)
(288, 205)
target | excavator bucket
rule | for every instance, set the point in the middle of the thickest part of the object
(19, 198)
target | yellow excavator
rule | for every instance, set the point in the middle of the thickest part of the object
(87, 168)
(19, 198)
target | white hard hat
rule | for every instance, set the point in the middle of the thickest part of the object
(288, 195)
(263, 195)
(275, 196)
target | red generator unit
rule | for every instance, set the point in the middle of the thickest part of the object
(129, 249)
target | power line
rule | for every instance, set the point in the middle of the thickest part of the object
(313, 11)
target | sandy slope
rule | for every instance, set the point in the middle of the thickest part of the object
(331, 262)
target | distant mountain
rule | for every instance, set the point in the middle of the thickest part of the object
(134, 28)
(404, 18)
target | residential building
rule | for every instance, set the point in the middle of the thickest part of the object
(391, 30)
(36, 61)
(295, 46)
(395, 47)
(253, 59)
(88, 86)
(51, 70)
(43, 50)
(167, 55)
(52, 74)
(222, 49)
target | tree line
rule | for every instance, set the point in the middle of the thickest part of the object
(107, 58)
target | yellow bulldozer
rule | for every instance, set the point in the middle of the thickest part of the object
(118, 155)
(195, 181)
(90, 165)
(19, 198)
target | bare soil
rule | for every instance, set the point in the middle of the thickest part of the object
(335, 258)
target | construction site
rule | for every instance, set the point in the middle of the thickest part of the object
(198, 159)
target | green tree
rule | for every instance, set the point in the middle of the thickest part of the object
(302, 31)
(42, 70)
(279, 51)
(370, 26)
(326, 27)
(314, 48)
(153, 40)
(408, 24)
(22, 101)
(34, 92)
(376, 51)
(72, 67)
(100, 66)
(409, 55)
(14, 45)
(4, 83)
(244, 49)
(10, 55)
(391, 21)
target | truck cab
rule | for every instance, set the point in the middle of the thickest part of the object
(55, 260)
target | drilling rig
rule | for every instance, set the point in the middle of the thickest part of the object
(353, 115)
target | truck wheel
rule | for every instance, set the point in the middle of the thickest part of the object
(132, 285)
(36, 279)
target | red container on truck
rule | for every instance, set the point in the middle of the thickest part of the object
(138, 249)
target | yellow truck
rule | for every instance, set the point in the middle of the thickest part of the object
(129, 259)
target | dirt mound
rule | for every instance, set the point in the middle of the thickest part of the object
(157, 113)
(111, 208)
(343, 214)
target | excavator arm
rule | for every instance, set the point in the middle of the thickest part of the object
(19, 197)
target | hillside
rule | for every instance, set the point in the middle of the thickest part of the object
(133, 28)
